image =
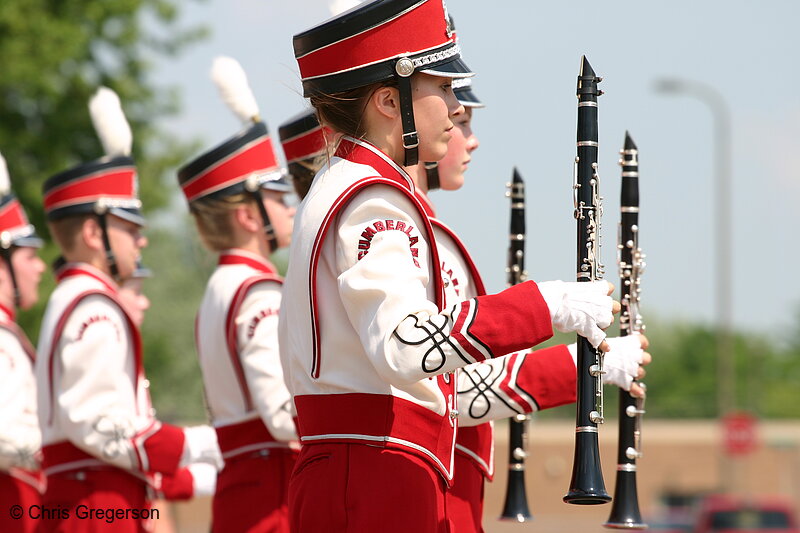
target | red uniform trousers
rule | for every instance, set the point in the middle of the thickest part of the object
(357, 488)
(71, 494)
(252, 493)
(19, 496)
(465, 497)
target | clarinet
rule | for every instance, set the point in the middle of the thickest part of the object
(587, 486)
(515, 507)
(625, 510)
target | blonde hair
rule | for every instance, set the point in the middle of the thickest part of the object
(215, 221)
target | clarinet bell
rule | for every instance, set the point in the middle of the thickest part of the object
(625, 509)
(515, 508)
(587, 486)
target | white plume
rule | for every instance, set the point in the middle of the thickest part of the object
(340, 6)
(231, 80)
(110, 123)
(5, 182)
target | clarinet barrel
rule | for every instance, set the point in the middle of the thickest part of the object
(587, 486)
(515, 507)
(625, 512)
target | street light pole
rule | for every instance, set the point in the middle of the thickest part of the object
(723, 188)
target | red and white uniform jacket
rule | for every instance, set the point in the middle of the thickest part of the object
(237, 342)
(94, 403)
(368, 341)
(518, 383)
(20, 437)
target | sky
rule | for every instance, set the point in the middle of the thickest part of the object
(526, 55)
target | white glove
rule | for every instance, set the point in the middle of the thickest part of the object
(621, 362)
(19, 454)
(204, 479)
(582, 307)
(201, 447)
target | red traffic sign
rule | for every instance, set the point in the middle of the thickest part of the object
(740, 433)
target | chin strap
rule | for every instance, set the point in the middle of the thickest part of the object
(110, 259)
(405, 68)
(5, 252)
(432, 174)
(254, 188)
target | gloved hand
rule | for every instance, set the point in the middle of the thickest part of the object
(201, 447)
(583, 307)
(623, 362)
(20, 454)
(204, 479)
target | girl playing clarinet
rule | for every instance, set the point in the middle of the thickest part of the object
(369, 342)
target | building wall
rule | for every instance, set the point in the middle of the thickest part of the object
(679, 457)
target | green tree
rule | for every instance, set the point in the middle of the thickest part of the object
(53, 56)
(776, 373)
(682, 380)
(181, 268)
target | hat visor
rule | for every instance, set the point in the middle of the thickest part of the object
(467, 98)
(129, 214)
(452, 68)
(277, 184)
(31, 241)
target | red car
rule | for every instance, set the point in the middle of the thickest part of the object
(723, 514)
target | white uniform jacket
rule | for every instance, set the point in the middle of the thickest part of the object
(502, 387)
(368, 342)
(94, 403)
(237, 342)
(20, 437)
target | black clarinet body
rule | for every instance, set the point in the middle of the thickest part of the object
(515, 507)
(625, 512)
(587, 486)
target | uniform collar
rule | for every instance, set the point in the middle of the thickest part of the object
(426, 203)
(7, 314)
(362, 152)
(237, 256)
(85, 269)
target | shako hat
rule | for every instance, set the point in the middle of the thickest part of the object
(302, 137)
(106, 185)
(304, 143)
(378, 41)
(15, 230)
(245, 162)
(462, 87)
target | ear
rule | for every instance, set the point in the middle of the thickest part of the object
(248, 217)
(92, 234)
(386, 101)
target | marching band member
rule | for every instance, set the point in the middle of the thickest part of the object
(368, 341)
(131, 294)
(194, 480)
(101, 440)
(236, 194)
(21, 482)
(516, 384)
(305, 147)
